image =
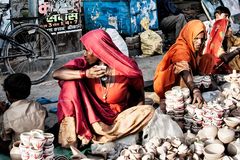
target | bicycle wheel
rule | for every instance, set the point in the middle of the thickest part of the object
(40, 56)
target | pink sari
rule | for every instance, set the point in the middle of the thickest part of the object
(76, 100)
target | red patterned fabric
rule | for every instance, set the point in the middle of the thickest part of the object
(216, 38)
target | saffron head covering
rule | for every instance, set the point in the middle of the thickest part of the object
(187, 34)
(182, 50)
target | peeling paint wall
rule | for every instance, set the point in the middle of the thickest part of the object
(141, 9)
(123, 15)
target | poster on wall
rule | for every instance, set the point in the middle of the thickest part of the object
(60, 15)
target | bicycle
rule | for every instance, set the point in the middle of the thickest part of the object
(28, 48)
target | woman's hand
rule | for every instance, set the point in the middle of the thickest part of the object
(95, 72)
(197, 98)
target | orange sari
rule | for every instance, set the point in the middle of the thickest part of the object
(182, 50)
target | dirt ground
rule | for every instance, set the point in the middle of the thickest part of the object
(48, 89)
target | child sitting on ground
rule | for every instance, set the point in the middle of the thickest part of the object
(22, 115)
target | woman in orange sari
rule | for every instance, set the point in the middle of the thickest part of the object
(183, 60)
(102, 96)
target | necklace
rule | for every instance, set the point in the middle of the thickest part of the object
(105, 88)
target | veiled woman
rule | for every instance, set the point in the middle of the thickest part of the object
(102, 94)
(183, 60)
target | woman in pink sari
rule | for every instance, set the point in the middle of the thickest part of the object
(102, 96)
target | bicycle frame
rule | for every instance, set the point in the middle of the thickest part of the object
(27, 48)
(7, 38)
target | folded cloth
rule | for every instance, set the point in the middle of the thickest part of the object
(53, 109)
(43, 100)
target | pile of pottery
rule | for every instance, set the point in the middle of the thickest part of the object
(168, 148)
(202, 81)
(35, 145)
(210, 143)
(175, 101)
(233, 92)
(215, 139)
(212, 113)
(193, 118)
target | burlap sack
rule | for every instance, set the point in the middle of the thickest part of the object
(151, 42)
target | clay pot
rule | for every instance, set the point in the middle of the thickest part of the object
(189, 137)
(198, 147)
(49, 138)
(226, 135)
(169, 95)
(176, 89)
(212, 141)
(176, 142)
(213, 151)
(233, 148)
(232, 121)
(15, 153)
(182, 149)
(185, 92)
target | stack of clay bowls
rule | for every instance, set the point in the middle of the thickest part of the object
(213, 114)
(36, 145)
(193, 118)
(176, 98)
(202, 81)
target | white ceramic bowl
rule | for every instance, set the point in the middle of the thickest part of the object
(226, 135)
(213, 151)
(210, 131)
(232, 121)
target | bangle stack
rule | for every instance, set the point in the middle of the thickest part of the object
(82, 74)
(195, 90)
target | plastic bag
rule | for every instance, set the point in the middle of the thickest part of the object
(151, 42)
(161, 126)
(118, 40)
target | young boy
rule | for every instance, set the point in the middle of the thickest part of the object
(22, 115)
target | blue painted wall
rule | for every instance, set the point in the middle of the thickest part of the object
(123, 15)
